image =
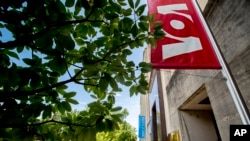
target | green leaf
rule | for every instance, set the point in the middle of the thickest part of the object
(65, 41)
(61, 89)
(12, 54)
(125, 24)
(101, 41)
(111, 16)
(100, 3)
(58, 65)
(35, 80)
(110, 125)
(116, 109)
(69, 3)
(20, 49)
(122, 2)
(73, 101)
(152, 42)
(144, 64)
(28, 61)
(140, 10)
(78, 7)
(158, 34)
(132, 90)
(92, 72)
(105, 31)
(145, 67)
(69, 95)
(103, 83)
(111, 99)
(128, 83)
(158, 24)
(143, 82)
(91, 31)
(145, 70)
(131, 3)
(144, 18)
(130, 64)
(141, 89)
(66, 106)
(144, 26)
(80, 42)
(78, 76)
(137, 3)
(85, 4)
(127, 51)
(47, 111)
(127, 12)
(81, 30)
(113, 84)
(87, 134)
(101, 95)
(60, 107)
(115, 6)
(134, 30)
(120, 78)
(44, 42)
(93, 96)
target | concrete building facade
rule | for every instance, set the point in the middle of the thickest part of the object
(196, 105)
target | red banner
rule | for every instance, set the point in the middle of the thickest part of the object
(186, 44)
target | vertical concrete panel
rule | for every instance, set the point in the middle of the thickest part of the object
(223, 107)
(198, 125)
(229, 22)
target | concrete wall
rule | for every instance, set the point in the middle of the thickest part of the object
(184, 84)
(144, 102)
(230, 24)
(145, 111)
(198, 125)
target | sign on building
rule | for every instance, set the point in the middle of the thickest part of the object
(186, 43)
(142, 129)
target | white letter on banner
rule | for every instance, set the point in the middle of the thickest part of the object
(170, 9)
(189, 44)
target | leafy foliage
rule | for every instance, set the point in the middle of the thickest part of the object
(100, 116)
(125, 133)
(51, 43)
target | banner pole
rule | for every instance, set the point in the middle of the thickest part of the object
(231, 84)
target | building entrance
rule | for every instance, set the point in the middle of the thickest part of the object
(197, 119)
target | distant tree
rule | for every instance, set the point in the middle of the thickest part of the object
(100, 116)
(54, 43)
(125, 133)
(81, 126)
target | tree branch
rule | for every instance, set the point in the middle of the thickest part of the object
(59, 122)
(34, 92)
(3, 125)
(26, 39)
(115, 48)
